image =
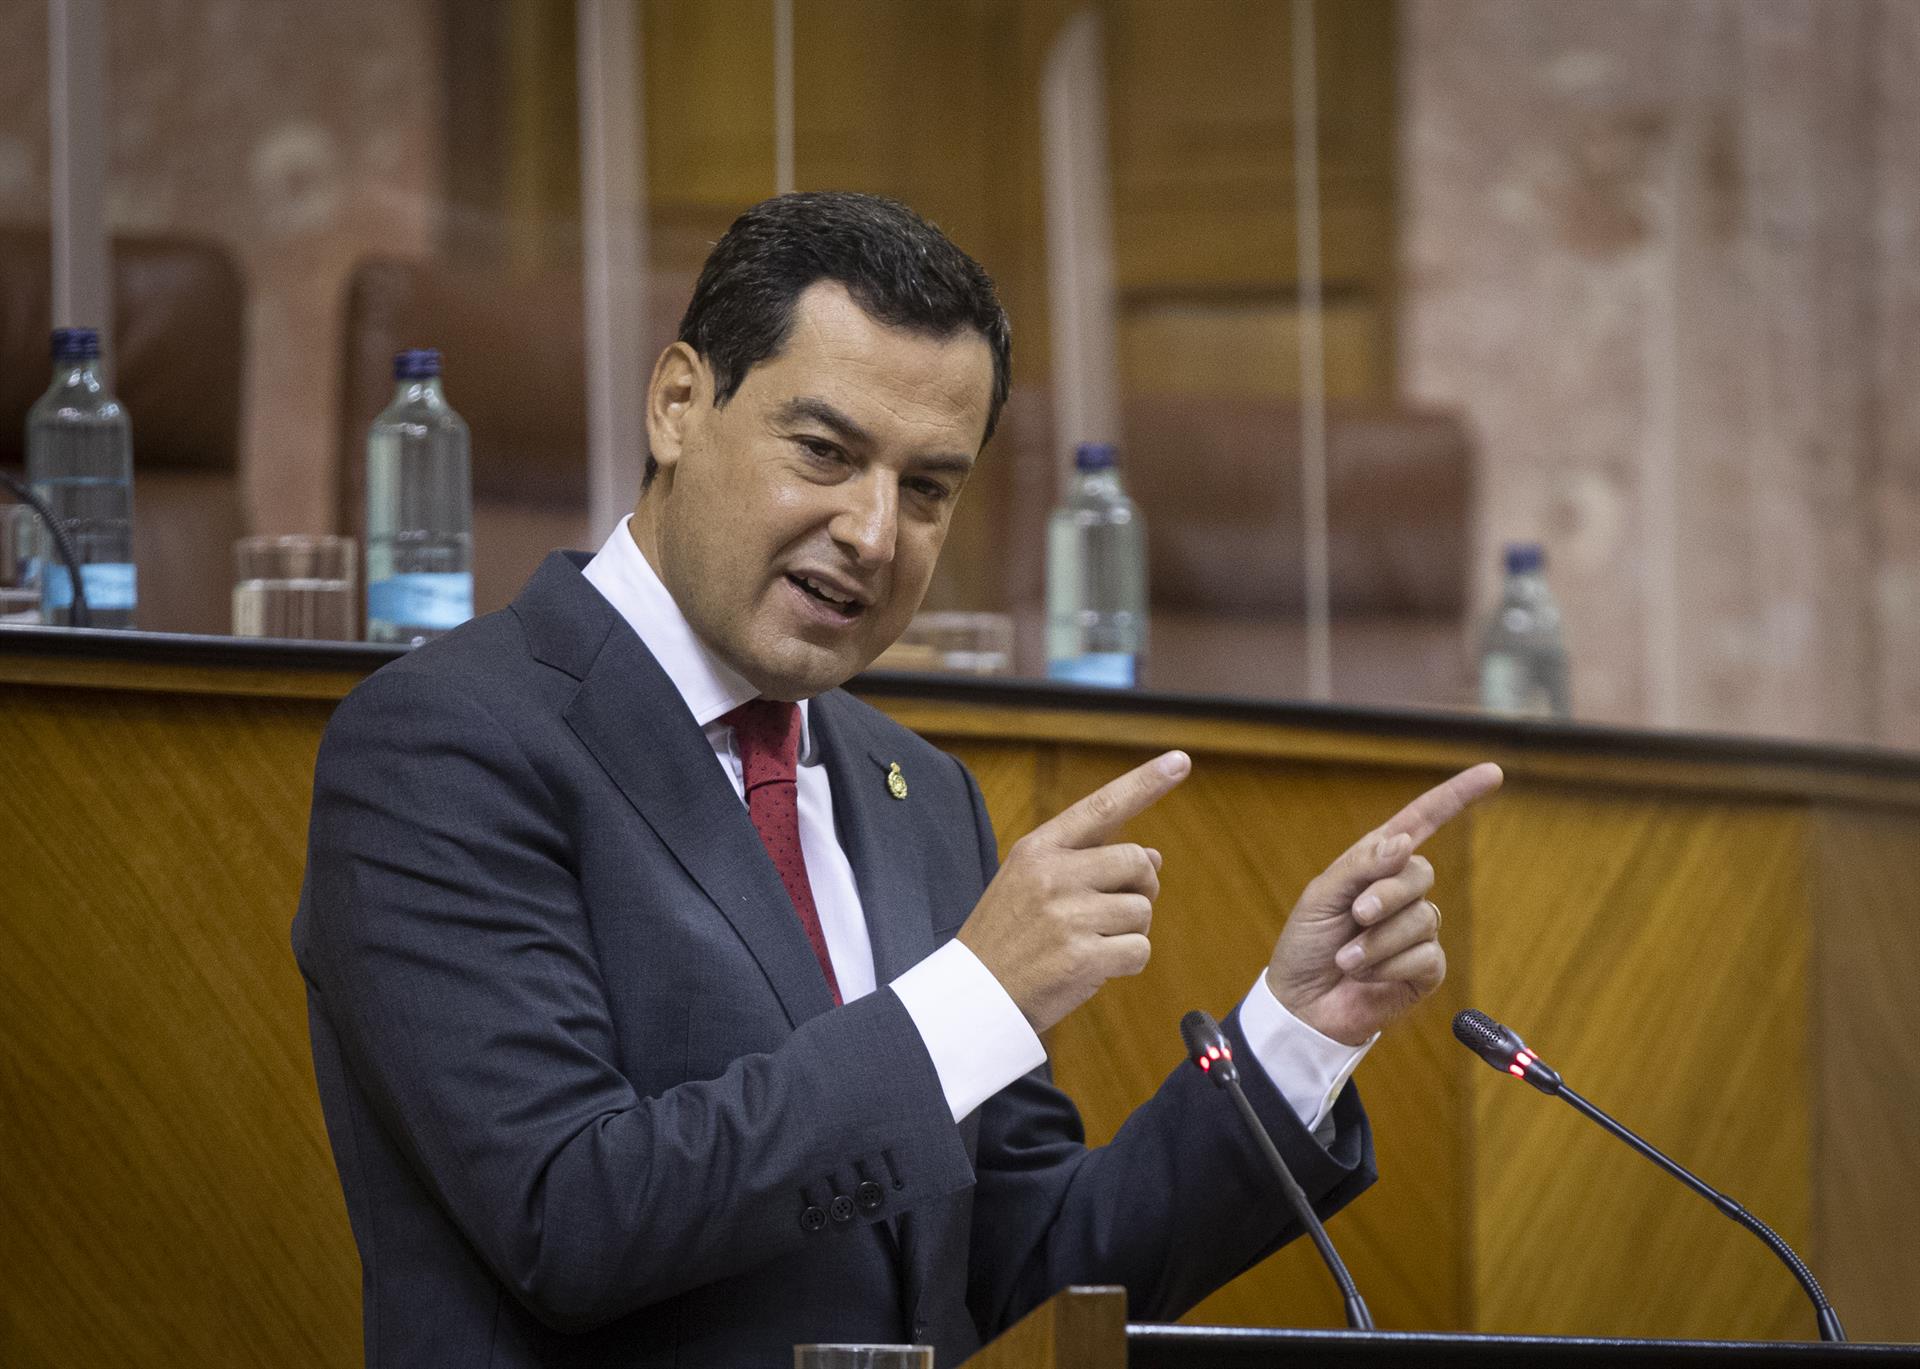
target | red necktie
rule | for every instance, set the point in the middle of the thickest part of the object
(767, 734)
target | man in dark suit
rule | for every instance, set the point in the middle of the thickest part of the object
(669, 1006)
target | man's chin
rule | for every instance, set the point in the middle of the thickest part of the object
(800, 670)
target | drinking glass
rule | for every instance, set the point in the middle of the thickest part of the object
(19, 565)
(954, 643)
(298, 586)
(863, 1357)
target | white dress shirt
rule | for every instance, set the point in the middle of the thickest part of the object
(977, 1036)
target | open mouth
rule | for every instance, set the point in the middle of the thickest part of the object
(846, 608)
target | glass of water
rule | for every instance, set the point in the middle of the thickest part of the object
(863, 1357)
(19, 565)
(298, 586)
(955, 643)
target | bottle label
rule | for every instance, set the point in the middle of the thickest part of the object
(1508, 687)
(109, 584)
(1113, 669)
(429, 599)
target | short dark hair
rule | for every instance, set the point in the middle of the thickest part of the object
(900, 269)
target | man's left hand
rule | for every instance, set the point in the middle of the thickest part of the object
(1362, 945)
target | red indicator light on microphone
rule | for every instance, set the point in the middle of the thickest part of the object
(1213, 1052)
(1525, 1057)
(1203, 1062)
(1517, 1070)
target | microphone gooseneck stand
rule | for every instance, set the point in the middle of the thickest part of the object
(1209, 1050)
(1502, 1048)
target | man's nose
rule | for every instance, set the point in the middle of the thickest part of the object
(869, 520)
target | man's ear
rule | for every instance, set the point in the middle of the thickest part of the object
(680, 383)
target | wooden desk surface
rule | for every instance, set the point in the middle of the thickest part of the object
(1713, 938)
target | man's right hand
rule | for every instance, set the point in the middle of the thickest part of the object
(1068, 911)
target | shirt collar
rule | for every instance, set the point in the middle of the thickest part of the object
(710, 687)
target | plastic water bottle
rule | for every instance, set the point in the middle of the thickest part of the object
(419, 510)
(80, 461)
(1096, 577)
(1523, 657)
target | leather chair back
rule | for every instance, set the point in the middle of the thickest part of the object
(1218, 483)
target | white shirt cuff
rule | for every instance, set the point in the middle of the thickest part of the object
(1309, 1069)
(979, 1039)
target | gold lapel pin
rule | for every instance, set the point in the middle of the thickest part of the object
(896, 782)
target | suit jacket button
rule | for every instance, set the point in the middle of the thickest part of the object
(841, 1208)
(812, 1218)
(870, 1197)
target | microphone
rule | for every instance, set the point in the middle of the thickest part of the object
(1502, 1048)
(1209, 1049)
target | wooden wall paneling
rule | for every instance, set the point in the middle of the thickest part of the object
(1866, 1138)
(1203, 166)
(1202, 145)
(542, 128)
(1010, 780)
(170, 1197)
(1656, 951)
(1248, 347)
(907, 101)
(1241, 838)
(709, 103)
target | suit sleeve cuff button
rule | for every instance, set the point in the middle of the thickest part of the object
(813, 1217)
(870, 1197)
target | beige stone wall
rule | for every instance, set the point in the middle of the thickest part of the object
(302, 136)
(1894, 491)
(1666, 256)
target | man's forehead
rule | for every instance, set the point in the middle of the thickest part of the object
(838, 353)
(826, 314)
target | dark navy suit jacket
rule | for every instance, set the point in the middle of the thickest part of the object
(587, 1090)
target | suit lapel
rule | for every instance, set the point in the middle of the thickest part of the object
(876, 831)
(629, 715)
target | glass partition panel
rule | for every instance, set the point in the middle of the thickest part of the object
(1626, 284)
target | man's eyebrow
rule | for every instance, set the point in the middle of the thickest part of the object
(943, 464)
(806, 407)
(823, 413)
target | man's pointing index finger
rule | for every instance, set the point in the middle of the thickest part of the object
(1443, 803)
(1094, 820)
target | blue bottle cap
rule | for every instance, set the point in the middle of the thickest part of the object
(416, 363)
(76, 344)
(1095, 456)
(1525, 558)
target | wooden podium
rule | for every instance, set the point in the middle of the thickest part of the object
(1087, 1328)
(1712, 937)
